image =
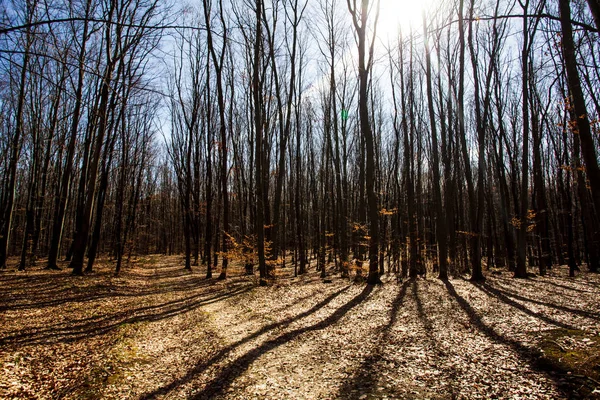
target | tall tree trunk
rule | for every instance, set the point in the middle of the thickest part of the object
(218, 62)
(16, 142)
(364, 70)
(582, 121)
(476, 204)
(83, 225)
(258, 127)
(475, 251)
(521, 270)
(60, 203)
(437, 196)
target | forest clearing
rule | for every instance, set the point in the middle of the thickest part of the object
(159, 331)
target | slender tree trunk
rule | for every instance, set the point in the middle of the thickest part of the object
(476, 204)
(60, 203)
(521, 270)
(474, 242)
(437, 196)
(218, 62)
(364, 70)
(258, 126)
(83, 225)
(16, 143)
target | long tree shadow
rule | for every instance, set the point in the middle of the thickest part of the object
(299, 300)
(137, 297)
(228, 374)
(224, 379)
(430, 337)
(593, 285)
(22, 287)
(531, 355)
(567, 287)
(48, 278)
(503, 294)
(75, 330)
(365, 379)
(503, 297)
(543, 281)
(63, 295)
(99, 292)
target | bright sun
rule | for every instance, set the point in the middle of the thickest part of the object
(401, 15)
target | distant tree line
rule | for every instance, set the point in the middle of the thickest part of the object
(270, 132)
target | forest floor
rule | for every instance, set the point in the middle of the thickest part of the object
(157, 331)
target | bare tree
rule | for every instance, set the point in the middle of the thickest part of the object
(16, 139)
(360, 21)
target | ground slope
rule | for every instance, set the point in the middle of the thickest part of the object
(157, 331)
